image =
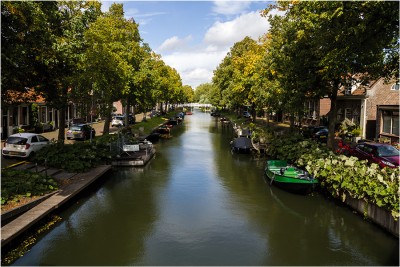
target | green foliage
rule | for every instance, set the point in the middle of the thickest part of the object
(236, 76)
(341, 175)
(347, 127)
(16, 183)
(77, 157)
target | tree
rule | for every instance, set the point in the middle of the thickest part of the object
(188, 94)
(236, 76)
(25, 38)
(201, 94)
(64, 74)
(112, 45)
(42, 47)
(343, 39)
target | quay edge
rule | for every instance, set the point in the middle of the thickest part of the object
(378, 215)
(22, 223)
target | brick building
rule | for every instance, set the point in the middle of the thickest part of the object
(375, 108)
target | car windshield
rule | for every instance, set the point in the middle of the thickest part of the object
(16, 140)
(76, 128)
(119, 118)
(388, 151)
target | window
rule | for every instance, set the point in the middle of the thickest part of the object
(24, 118)
(34, 139)
(347, 112)
(395, 86)
(42, 138)
(43, 111)
(390, 122)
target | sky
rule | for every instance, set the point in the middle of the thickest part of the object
(194, 36)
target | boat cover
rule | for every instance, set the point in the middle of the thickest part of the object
(242, 143)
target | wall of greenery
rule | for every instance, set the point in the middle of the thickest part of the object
(341, 175)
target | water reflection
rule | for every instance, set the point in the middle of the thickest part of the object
(197, 204)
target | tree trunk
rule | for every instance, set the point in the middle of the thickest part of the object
(106, 129)
(253, 111)
(127, 107)
(332, 115)
(291, 121)
(161, 108)
(61, 130)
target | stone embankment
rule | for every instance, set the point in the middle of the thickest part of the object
(21, 219)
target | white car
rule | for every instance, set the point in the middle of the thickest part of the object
(23, 145)
(117, 121)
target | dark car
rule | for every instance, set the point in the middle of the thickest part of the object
(321, 135)
(81, 131)
(246, 114)
(310, 131)
(383, 154)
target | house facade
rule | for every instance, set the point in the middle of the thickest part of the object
(24, 110)
(375, 108)
(20, 116)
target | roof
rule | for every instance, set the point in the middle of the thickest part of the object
(29, 95)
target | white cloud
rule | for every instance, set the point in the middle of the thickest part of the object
(174, 43)
(196, 64)
(195, 67)
(230, 7)
(224, 34)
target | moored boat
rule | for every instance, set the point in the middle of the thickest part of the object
(163, 129)
(289, 177)
(241, 144)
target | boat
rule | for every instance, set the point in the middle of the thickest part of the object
(163, 129)
(154, 136)
(241, 144)
(137, 154)
(289, 177)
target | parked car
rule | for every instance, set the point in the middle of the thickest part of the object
(310, 131)
(23, 145)
(117, 121)
(120, 120)
(81, 131)
(321, 135)
(384, 155)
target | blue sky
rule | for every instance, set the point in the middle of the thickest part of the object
(194, 36)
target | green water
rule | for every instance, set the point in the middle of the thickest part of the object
(197, 204)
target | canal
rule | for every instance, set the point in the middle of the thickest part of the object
(197, 204)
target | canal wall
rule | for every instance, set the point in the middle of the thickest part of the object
(23, 222)
(376, 214)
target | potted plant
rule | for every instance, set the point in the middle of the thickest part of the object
(356, 133)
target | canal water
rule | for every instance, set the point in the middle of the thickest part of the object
(197, 204)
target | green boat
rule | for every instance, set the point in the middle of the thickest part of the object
(289, 177)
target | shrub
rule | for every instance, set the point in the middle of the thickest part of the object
(16, 183)
(341, 175)
(77, 157)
